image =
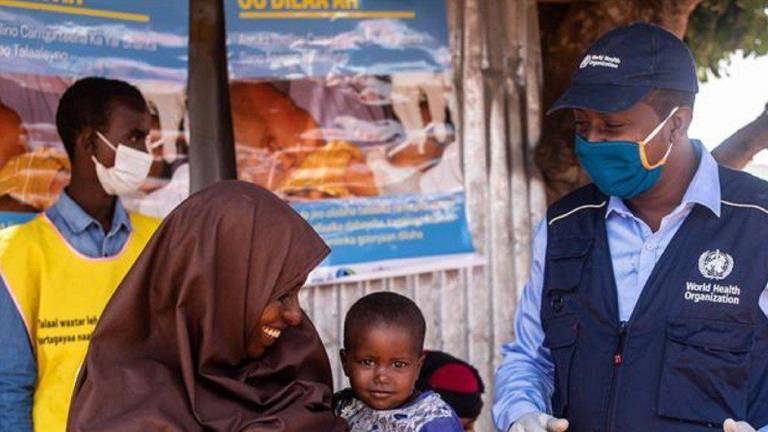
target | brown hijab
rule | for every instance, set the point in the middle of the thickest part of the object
(169, 352)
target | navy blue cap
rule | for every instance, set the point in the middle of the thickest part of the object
(624, 65)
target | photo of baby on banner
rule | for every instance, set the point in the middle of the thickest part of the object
(29, 180)
(342, 137)
(352, 121)
(33, 170)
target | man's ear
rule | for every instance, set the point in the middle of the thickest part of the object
(680, 122)
(86, 142)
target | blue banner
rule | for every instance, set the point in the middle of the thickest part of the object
(378, 229)
(316, 38)
(124, 39)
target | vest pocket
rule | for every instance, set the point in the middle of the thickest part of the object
(565, 263)
(560, 337)
(705, 372)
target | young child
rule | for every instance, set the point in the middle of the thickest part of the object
(382, 356)
(457, 382)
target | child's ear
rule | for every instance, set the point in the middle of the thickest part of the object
(343, 357)
(420, 362)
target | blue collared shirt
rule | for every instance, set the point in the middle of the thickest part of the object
(18, 372)
(525, 379)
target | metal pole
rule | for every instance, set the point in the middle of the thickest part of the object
(212, 150)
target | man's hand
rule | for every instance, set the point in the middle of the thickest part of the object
(733, 426)
(540, 422)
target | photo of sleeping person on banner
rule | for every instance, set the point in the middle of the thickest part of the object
(343, 136)
(34, 167)
(33, 171)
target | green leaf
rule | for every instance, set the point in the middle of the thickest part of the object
(719, 28)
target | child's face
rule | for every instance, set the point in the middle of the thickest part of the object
(382, 366)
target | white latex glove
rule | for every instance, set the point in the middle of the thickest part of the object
(540, 422)
(733, 426)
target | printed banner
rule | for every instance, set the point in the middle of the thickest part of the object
(44, 47)
(123, 39)
(345, 109)
(289, 39)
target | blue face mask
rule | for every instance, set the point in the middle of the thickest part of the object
(621, 168)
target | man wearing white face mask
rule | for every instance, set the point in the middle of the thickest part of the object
(130, 167)
(60, 269)
(647, 303)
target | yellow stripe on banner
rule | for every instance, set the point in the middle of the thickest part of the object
(329, 15)
(75, 10)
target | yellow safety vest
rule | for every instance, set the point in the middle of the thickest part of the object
(60, 295)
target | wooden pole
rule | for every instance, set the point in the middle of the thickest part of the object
(212, 150)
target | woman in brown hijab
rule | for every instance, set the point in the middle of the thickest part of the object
(205, 332)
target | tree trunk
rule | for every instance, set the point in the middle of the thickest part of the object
(568, 29)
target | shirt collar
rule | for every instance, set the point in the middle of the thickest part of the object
(704, 188)
(120, 219)
(78, 220)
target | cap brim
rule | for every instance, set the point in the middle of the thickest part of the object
(600, 97)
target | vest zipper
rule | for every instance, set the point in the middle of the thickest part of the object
(618, 359)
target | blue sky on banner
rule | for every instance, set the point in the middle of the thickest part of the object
(124, 39)
(306, 38)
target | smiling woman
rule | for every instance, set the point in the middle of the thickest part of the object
(206, 331)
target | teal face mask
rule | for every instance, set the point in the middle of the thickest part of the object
(621, 168)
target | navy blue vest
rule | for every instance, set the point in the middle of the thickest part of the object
(695, 350)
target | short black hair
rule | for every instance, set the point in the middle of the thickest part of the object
(89, 103)
(384, 308)
(663, 100)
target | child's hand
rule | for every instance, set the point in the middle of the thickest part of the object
(732, 426)
(540, 422)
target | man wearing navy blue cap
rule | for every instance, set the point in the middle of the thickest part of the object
(647, 300)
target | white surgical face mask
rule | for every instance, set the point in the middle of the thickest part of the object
(129, 172)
